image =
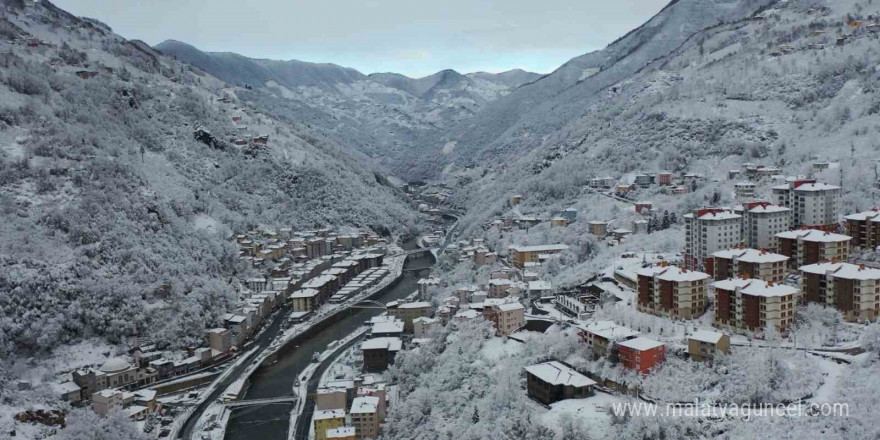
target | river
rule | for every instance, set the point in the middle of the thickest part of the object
(271, 421)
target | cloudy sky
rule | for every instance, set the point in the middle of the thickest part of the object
(413, 37)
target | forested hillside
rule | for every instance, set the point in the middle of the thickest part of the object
(121, 182)
(791, 84)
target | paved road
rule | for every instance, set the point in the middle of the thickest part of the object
(304, 420)
(262, 342)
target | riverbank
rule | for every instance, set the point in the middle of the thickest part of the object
(327, 358)
(297, 355)
(209, 421)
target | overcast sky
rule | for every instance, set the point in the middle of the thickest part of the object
(413, 37)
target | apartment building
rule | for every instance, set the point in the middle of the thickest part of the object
(708, 231)
(507, 316)
(601, 335)
(864, 228)
(304, 300)
(749, 263)
(407, 312)
(520, 255)
(671, 291)
(422, 326)
(704, 345)
(744, 190)
(852, 289)
(761, 221)
(379, 353)
(641, 354)
(325, 420)
(365, 417)
(813, 204)
(745, 305)
(331, 398)
(810, 246)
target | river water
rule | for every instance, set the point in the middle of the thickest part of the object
(271, 421)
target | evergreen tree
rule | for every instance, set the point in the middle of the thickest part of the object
(476, 416)
(665, 224)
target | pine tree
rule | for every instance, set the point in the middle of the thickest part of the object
(476, 416)
(665, 224)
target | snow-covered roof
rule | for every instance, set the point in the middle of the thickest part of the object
(115, 365)
(425, 319)
(329, 414)
(364, 405)
(382, 318)
(843, 270)
(762, 208)
(640, 344)
(468, 314)
(64, 387)
(731, 284)
(500, 282)
(814, 235)
(862, 216)
(609, 330)
(146, 394)
(389, 343)
(134, 409)
(672, 273)
(706, 336)
(319, 281)
(818, 186)
(507, 307)
(387, 327)
(757, 287)
(724, 215)
(556, 373)
(237, 319)
(304, 293)
(541, 248)
(341, 432)
(750, 256)
(414, 305)
(540, 285)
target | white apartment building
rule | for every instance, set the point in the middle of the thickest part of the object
(813, 204)
(708, 231)
(761, 221)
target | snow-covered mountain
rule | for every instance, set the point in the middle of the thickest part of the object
(781, 83)
(122, 179)
(383, 116)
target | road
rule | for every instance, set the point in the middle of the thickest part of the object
(304, 420)
(271, 422)
(261, 342)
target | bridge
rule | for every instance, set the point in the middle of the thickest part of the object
(369, 304)
(261, 402)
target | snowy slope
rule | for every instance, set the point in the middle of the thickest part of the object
(725, 96)
(114, 217)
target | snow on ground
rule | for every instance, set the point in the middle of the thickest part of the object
(499, 348)
(593, 411)
(827, 391)
(205, 222)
